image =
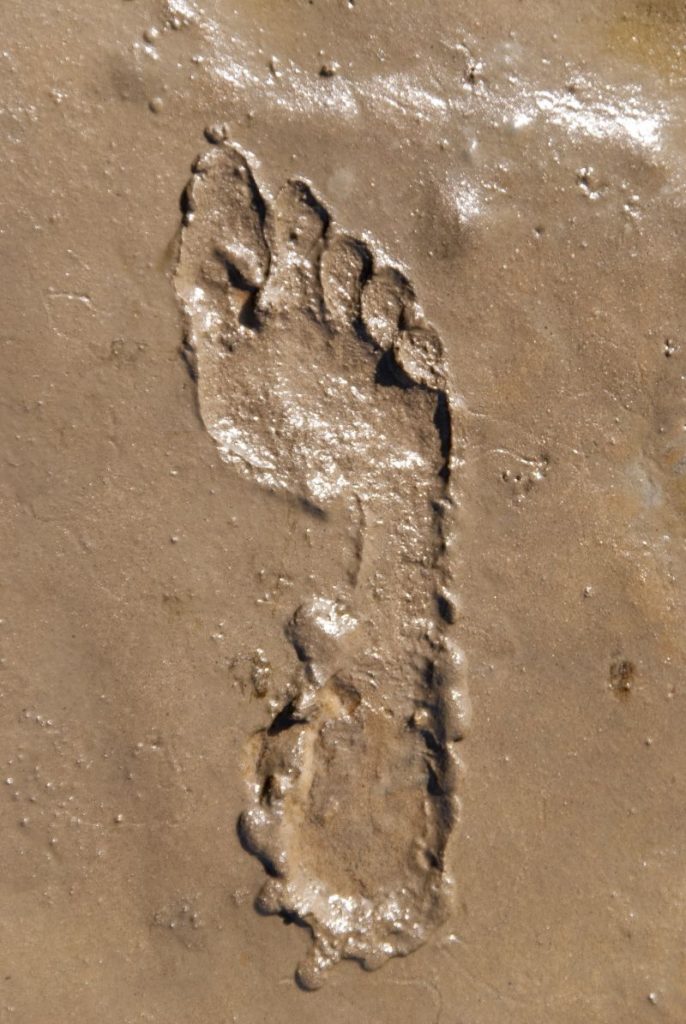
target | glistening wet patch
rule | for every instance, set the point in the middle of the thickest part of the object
(319, 376)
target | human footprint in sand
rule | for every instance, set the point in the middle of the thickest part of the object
(318, 376)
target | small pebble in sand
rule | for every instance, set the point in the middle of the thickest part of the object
(217, 133)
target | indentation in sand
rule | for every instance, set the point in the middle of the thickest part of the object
(319, 376)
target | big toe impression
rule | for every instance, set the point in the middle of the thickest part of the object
(224, 255)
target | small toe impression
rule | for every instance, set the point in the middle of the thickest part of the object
(297, 228)
(419, 354)
(346, 266)
(388, 305)
(300, 221)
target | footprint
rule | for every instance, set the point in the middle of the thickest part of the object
(319, 376)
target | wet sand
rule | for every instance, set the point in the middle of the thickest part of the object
(179, 547)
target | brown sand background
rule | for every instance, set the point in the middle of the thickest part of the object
(525, 162)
